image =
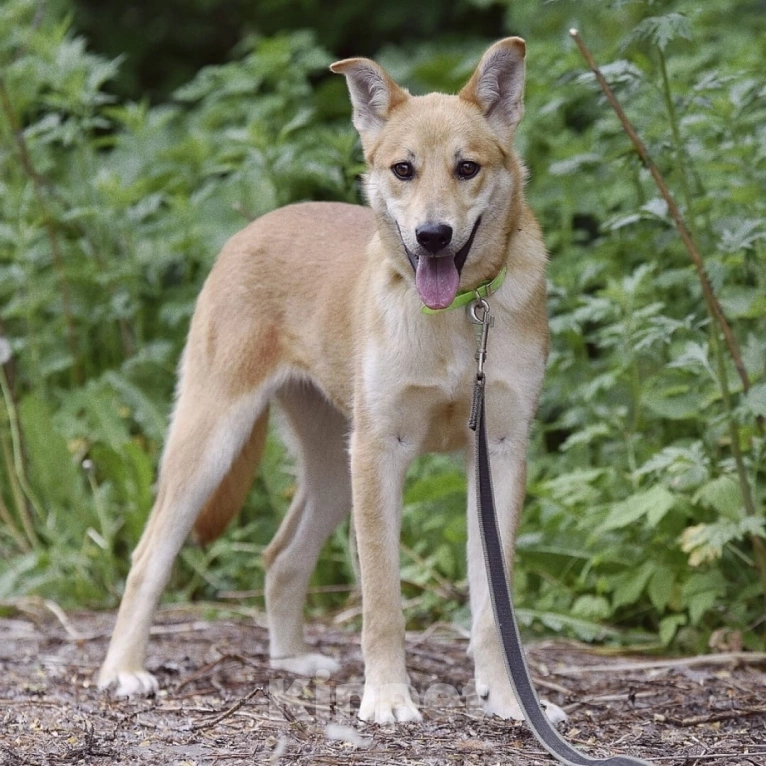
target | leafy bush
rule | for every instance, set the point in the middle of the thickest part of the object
(645, 511)
(111, 216)
(646, 505)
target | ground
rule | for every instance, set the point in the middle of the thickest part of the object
(220, 704)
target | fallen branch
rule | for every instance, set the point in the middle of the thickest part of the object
(739, 658)
(721, 715)
(202, 672)
(229, 711)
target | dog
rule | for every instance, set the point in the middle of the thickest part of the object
(319, 309)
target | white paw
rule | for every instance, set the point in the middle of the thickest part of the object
(308, 664)
(555, 714)
(388, 703)
(500, 700)
(136, 683)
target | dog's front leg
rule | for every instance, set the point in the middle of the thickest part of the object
(508, 457)
(377, 474)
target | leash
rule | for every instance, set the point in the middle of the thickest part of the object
(502, 606)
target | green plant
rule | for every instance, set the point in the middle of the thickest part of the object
(638, 527)
(110, 215)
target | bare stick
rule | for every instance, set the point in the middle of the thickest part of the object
(727, 658)
(707, 289)
(229, 711)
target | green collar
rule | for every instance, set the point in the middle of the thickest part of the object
(484, 290)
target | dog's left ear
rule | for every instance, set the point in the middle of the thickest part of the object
(373, 94)
(497, 85)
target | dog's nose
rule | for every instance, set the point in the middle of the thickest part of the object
(434, 236)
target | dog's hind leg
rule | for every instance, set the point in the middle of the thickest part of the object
(322, 501)
(210, 432)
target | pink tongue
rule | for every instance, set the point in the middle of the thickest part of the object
(437, 281)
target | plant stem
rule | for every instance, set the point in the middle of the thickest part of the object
(707, 289)
(677, 143)
(17, 468)
(50, 227)
(7, 519)
(748, 501)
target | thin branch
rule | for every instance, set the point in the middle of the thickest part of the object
(229, 711)
(725, 658)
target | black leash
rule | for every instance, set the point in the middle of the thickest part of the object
(505, 618)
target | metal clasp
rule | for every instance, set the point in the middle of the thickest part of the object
(479, 315)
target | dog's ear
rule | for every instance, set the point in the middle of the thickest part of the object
(497, 85)
(373, 94)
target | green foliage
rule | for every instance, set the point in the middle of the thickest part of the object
(646, 497)
(110, 217)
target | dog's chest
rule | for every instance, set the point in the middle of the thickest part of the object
(419, 392)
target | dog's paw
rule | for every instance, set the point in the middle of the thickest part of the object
(498, 699)
(502, 703)
(308, 664)
(388, 703)
(135, 683)
(555, 714)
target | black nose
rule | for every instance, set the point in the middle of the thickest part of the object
(434, 236)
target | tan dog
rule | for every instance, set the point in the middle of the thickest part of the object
(317, 307)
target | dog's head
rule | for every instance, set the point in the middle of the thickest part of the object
(442, 174)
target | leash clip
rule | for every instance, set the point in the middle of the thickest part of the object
(484, 321)
(479, 315)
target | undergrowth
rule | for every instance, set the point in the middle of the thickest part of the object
(638, 527)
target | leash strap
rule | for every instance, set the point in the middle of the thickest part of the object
(505, 617)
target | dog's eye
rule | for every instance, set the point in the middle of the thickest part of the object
(467, 169)
(403, 170)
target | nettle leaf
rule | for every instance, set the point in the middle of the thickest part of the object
(693, 357)
(630, 585)
(660, 587)
(701, 591)
(682, 467)
(742, 302)
(722, 494)
(575, 164)
(661, 30)
(705, 542)
(742, 235)
(669, 626)
(434, 488)
(586, 435)
(591, 608)
(143, 409)
(755, 400)
(585, 630)
(575, 487)
(673, 402)
(652, 504)
(657, 208)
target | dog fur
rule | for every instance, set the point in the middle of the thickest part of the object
(317, 307)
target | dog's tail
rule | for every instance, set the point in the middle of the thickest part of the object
(226, 502)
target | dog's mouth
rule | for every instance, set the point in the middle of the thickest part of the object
(437, 276)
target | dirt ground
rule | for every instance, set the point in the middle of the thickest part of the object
(221, 704)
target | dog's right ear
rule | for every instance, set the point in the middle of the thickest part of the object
(373, 94)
